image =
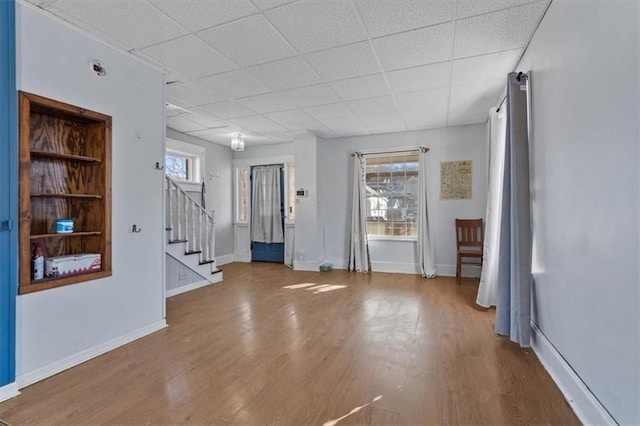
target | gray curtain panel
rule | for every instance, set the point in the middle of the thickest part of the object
(426, 256)
(266, 216)
(359, 260)
(513, 308)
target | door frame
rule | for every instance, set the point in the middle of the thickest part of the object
(283, 204)
(241, 231)
(8, 197)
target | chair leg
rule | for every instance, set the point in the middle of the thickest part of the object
(458, 269)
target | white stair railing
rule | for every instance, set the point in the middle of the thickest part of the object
(188, 222)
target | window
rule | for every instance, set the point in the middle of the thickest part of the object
(184, 162)
(391, 185)
(178, 167)
(243, 195)
(291, 198)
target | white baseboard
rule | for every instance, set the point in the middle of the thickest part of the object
(56, 367)
(306, 265)
(9, 391)
(242, 257)
(468, 271)
(395, 267)
(223, 260)
(215, 278)
(582, 401)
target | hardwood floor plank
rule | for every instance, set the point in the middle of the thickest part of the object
(250, 350)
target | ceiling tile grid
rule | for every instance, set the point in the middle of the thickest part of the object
(311, 25)
(189, 56)
(249, 41)
(276, 68)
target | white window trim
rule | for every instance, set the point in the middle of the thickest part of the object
(197, 153)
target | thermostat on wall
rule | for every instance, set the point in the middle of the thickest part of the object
(300, 193)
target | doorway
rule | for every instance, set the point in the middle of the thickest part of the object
(267, 213)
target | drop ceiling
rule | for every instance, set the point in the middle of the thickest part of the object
(271, 69)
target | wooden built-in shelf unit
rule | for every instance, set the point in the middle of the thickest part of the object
(65, 172)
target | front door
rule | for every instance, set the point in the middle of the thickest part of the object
(273, 251)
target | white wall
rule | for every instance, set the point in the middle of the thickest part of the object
(585, 194)
(219, 196)
(446, 144)
(59, 327)
(265, 151)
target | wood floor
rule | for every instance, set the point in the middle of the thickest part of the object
(384, 349)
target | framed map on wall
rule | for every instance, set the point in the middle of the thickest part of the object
(455, 180)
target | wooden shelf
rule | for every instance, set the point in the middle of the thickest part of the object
(52, 195)
(47, 283)
(61, 156)
(64, 235)
(56, 182)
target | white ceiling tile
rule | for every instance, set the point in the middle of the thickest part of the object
(361, 87)
(426, 100)
(192, 93)
(205, 119)
(270, 4)
(196, 15)
(171, 75)
(345, 61)
(484, 67)
(269, 102)
(189, 56)
(285, 74)
(417, 120)
(287, 118)
(311, 25)
(420, 78)
(181, 123)
(466, 8)
(308, 96)
(497, 31)
(475, 98)
(469, 119)
(384, 17)
(341, 127)
(323, 112)
(228, 109)
(249, 41)
(383, 123)
(136, 23)
(258, 123)
(178, 103)
(235, 84)
(418, 47)
(373, 105)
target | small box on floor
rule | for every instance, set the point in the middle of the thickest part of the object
(73, 264)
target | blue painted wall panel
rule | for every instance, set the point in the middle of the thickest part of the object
(8, 191)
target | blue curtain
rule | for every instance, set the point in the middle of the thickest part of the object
(513, 308)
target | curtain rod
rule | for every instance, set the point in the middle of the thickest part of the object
(420, 148)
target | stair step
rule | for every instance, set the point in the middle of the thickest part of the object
(204, 262)
(216, 272)
(187, 253)
(177, 241)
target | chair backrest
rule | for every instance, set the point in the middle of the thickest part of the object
(469, 233)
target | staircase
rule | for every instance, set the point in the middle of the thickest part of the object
(190, 233)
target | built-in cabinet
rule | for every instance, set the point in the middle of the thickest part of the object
(65, 173)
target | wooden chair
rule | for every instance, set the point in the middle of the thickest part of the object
(470, 243)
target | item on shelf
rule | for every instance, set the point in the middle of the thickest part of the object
(37, 255)
(72, 264)
(64, 226)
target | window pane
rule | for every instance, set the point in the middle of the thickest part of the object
(243, 213)
(292, 192)
(391, 195)
(176, 166)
